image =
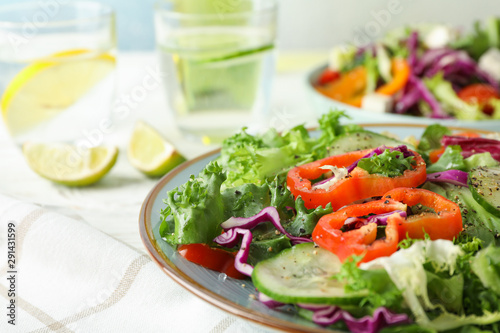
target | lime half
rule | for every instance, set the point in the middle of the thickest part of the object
(68, 165)
(150, 153)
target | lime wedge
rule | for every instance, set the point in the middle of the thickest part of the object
(150, 153)
(49, 86)
(66, 164)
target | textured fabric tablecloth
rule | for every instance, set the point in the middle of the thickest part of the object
(70, 277)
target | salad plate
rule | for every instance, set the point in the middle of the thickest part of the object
(323, 104)
(420, 73)
(237, 297)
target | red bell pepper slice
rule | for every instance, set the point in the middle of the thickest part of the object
(328, 76)
(359, 185)
(362, 241)
(444, 223)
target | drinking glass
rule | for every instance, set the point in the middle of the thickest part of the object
(217, 58)
(57, 60)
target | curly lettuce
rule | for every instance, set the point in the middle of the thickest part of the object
(195, 208)
(260, 158)
(389, 163)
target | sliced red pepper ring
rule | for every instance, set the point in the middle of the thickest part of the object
(362, 241)
(359, 185)
(444, 223)
(337, 219)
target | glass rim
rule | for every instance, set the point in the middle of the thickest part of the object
(271, 6)
(104, 11)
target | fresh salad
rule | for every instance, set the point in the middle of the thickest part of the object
(355, 230)
(431, 71)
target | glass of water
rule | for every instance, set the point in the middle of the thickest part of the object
(57, 65)
(218, 61)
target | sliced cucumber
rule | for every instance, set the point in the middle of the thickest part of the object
(302, 274)
(484, 184)
(362, 140)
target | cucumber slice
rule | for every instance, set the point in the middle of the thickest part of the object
(302, 274)
(484, 184)
(360, 140)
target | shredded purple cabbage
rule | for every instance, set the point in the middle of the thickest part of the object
(382, 317)
(472, 146)
(380, 150)
(455, 177)
(449, 59)
(457, 67)
(428, 97)
(459, 63)
(411, 96)
(268, 301)
(230, 239)
(381, 219)
(430, 57)
(412, 45)
(267, 214)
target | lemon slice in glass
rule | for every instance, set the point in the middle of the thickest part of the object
(68, 165)
(150, 153)
(48, 86)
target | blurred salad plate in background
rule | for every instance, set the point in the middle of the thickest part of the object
(429, 72)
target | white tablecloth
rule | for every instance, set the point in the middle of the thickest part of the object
(112, 206)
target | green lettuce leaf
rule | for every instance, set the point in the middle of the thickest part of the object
(282, 199)
(388, 164)
(413, 328)
(446, 291)
(452, 104)
(306, 219)
(451, 159)
(431, 138)
(432, 276)
(383, 291)
(245, 200)
(372, 73)
(486, 265)
(481, 38)
(196, 207)
(448, 321)
(261, 158)
(255, 159)
(483, 159)
(406, 270)
(267, 248)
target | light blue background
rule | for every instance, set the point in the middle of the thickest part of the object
(313, 24)
(134, 22)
